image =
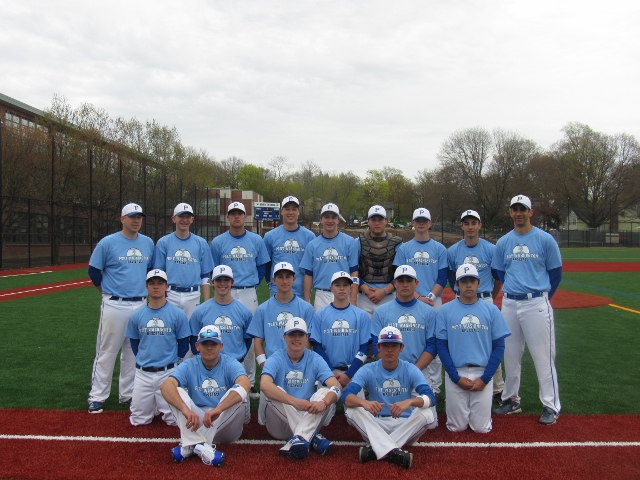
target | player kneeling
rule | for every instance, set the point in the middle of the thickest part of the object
(293, 410)
(470, 338)
(214, 406)
(392, 417)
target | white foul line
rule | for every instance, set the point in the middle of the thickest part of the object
(279, 442)
(22, 292)
(23, 274)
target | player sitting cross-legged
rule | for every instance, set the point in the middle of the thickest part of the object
(208, 396)
(294, 410)
(391, 418)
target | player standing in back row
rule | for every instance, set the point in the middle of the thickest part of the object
(187, 260)
(478, 252)
(529, 264)
(288, 242)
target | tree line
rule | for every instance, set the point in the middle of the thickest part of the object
(82, 156)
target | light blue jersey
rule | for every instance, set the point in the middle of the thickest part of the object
(124, 263)
(243, 254)
(340, 332)
(158, 331)
(297, 379)
(427, 258)
(417, 322)
(326, 256)
(479, 255)
(206, 387)
(285, 246)
(270, 318)
(186, 261)
(389, 387)
(526, 260)
(233, 321)
(470, 331)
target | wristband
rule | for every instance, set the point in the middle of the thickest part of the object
(205, 281)
(261, 359)
(337, 391)
(426, 400)
(430, 296)
(240, 391)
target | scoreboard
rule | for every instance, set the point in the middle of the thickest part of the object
(266, 211)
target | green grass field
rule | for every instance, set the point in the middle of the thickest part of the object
(49, 341)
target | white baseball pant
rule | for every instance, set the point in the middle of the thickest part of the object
(498, 380)
(531, 322)
(368, 306)
(433, 372)
(227, 428)
(283, 420)
(187, 302)
(249, 298)
(322, 299)
(147, 401)
(386, 433)
(114, 316)
(468, 409)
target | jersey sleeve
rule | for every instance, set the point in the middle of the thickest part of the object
(160, 260)
(263, 255)
(256, 326)
(206, 260)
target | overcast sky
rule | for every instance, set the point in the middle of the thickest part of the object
(350, 85)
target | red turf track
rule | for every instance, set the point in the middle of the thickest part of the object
(56, 459)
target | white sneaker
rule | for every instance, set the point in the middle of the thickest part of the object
(209, 454)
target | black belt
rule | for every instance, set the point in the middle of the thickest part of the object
(155, 369)
(484, 294)
(183, 289)
(342, 369)
(131, 299)
(243, 288)
(523, 296)
(384, 416)
(323, 289)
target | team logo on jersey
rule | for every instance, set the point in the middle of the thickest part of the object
(295, 379)
(470, 324)
(421, 258)
(407, 323)
(238, 254)
(134, 256)
(225, 324)
(330, 255)
(210, 388)
(391, 387)
(155, 326)
(473, 260)
(281, 320)
(182, 257)
(521, 253)
(291, 246)
(340, 328)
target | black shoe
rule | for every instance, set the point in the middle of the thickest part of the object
(400, 457)
(497, 399)
(366, 454)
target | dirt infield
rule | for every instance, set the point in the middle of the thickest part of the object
(50, 444)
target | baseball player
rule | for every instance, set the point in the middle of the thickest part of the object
(288, 242)
(294, 408)
(340, 332)
(187, 260)
(392, 416)
(429, 258)
(376, 251)
(159, 336)
(247, 255)
(211, 404)
(470, 339)
(416, 320)
(529, 264)
(330, 252)
(118, 268)
(478, 252)
(225, 312)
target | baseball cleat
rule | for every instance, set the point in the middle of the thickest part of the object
(497, 398)
(548, 417)
(297, 447)
(508, 407)
(321, 444)
(179, 453)
(95, 407)
(366, 454)
(209, 454)
(400, 457)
